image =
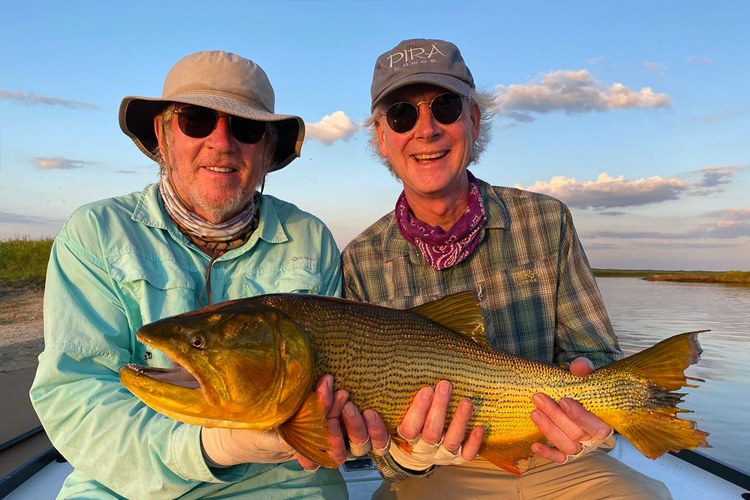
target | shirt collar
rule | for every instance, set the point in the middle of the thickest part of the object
(396, 246)
(150, 211)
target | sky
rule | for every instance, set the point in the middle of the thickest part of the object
(636, 114)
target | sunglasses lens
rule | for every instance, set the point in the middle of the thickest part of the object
(196, 121)
(447, 108)
(402, 117)
(246, 130)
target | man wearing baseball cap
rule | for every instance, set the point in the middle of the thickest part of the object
(200, 235)
(518, 252)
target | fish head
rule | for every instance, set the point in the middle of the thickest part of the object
(244, 367)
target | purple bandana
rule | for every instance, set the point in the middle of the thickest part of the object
(443, 249)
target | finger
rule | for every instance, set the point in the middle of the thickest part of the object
(581, 367)
(454, 436)
(336, 438)
(590, 423)
(414, 420)
(339, 400)
(432, 432)
(354, 424)
(471, 446)
(306, 464)
(376, 429)
(548, 452)
(324, 389)
(556, 423)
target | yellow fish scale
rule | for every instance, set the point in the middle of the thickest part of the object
(383, 357)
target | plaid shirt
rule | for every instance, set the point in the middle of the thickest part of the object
(538, 295)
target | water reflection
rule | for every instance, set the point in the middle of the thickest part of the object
(646, 312)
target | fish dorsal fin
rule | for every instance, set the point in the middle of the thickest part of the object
(459, 312)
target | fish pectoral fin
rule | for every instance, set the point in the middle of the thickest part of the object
(307, 432)
(459, 312)
(511, 456)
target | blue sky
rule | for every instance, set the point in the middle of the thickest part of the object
(636, 114)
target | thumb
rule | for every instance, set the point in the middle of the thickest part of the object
(581, 367)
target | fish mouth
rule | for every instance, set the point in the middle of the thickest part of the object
(176, 375)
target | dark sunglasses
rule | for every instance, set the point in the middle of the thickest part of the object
(403, 116)
(199, 122)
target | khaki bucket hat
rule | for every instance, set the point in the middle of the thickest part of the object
(218, 80)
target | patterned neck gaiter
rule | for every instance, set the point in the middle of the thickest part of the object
(439, 248)
(209, 237)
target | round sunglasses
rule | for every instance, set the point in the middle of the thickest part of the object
(199, 122)
(446, 108)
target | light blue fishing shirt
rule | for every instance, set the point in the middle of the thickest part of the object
(121, 263)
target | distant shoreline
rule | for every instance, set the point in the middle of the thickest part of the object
(736, 277)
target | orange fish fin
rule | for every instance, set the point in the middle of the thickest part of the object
(459, 312)
(664, 363)
(307, 432)
(654, 428)
(511, 456)
(655, 432)
(401, 442)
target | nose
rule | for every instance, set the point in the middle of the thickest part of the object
(426, 127)
(221, 139)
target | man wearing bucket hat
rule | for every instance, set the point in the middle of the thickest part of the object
(202, 234)
(517, 251)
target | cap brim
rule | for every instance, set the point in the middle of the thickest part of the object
(137, 122)
(460, 87)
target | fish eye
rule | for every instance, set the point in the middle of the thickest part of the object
(198, 342)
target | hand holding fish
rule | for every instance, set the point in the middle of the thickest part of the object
(333, 404)
(422, 429)
(571, 430)
(226, 447)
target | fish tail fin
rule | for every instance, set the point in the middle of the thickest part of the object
(653, 428)
(307, 432)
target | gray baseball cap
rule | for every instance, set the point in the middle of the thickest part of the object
(218, 80)
(420, 60)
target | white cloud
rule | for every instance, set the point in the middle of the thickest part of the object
(59, 163)
(607, 192)
(699, 60)
(733, 214)
(595, 60)
(653, 66)
(724, 113)
(573, 92)
(715, 176)
(331, 128)
(33, 99)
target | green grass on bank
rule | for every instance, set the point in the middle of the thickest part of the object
(643, 273)
(686, 276)
(23, 261)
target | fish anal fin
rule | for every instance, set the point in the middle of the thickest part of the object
(511, 456)
(459, 312)
(307, 432)
(656, 431)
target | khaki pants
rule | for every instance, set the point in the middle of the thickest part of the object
(594, 476)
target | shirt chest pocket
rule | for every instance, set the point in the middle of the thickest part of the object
(294, 280)
(153, 289)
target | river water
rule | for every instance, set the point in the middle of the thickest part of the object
(645, 312)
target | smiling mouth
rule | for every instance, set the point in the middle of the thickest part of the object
(223, 170)
(426, 158)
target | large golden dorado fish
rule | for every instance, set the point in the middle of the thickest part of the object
(255, 361)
